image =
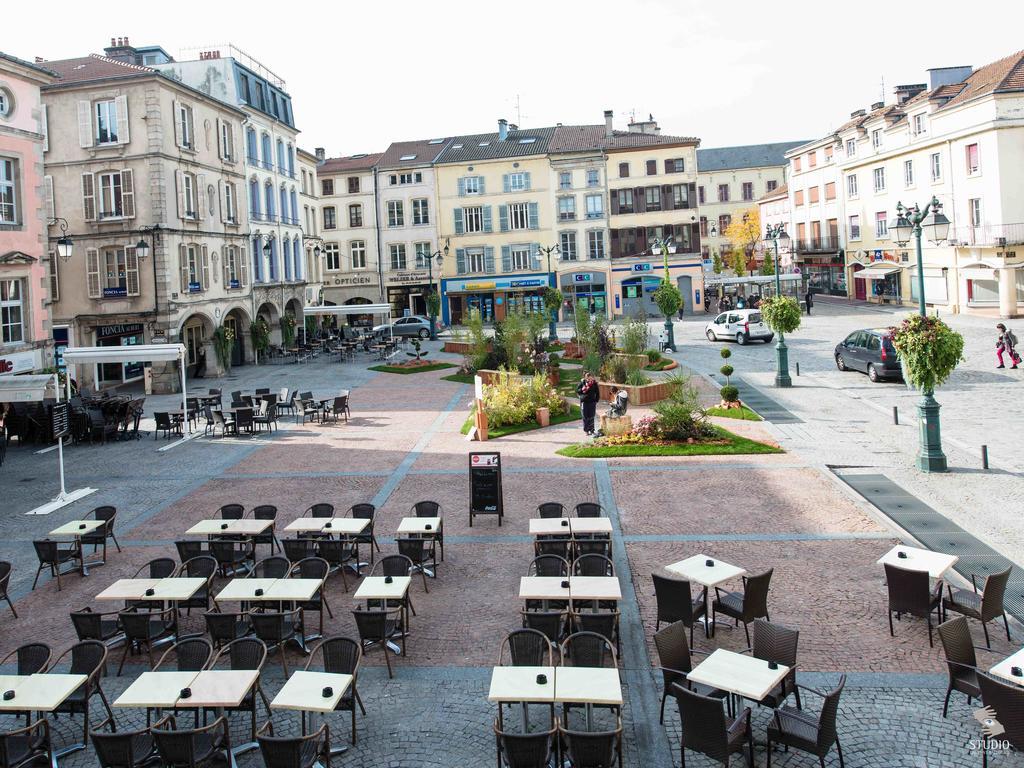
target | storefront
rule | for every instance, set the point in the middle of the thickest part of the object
(339, 289)
(825, 274)
(584, 291)
(493, 297)
(633, 286)
(25, 361)
(881, 283)
(407, 292)
(121, 335)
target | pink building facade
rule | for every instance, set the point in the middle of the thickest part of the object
(25, 336)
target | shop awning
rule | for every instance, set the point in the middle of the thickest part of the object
(750, 279)
(348, 309)
(133, 353)
(876, 273)
(21, 389)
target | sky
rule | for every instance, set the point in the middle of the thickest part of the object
(362, 75)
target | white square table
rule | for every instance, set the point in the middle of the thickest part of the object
(293, 589)
(248, 527)
(543, 588)
(588, 686)
(177, 588)
(128, 589)
(417, 526)
(1002, 669)
(375, 588)
(219, 688)
(594, 588)
(516, 684)
(155, 690)
(210, 528)
(738, 674)
(590, 525)
(303, 691)
(550, 526)
(76, 529)
(42, 692)
(245, 590)
(936, 563)
(696, 569)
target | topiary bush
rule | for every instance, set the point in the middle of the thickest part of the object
(727, 371)
(726, 353)
(730, 393)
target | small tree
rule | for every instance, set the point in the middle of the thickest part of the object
(726, 369)
(716, 263)
(738, 262)
(745, 230)
(768, 265)
(433, 303)
(417, 355)
(552, 299)
(223, 342)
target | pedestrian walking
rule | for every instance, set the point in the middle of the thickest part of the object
(682, 309)
(1007, 342)
(809, 300)
(589, 393)
(593, 307)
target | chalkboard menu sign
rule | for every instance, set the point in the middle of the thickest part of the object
(61, 420)
(485, 496)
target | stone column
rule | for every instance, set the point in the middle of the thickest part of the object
(1007, 292)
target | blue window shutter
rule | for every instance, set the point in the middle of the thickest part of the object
(480, 182)
(462, 187)
(458, 221)
(487, 219)
(535, 256)
(489, 260)
(527, 178)
(295, 207)
(503, 218)
(506, 184)
(287, 263)
(506, 258)
(460, 260)
(534, 217)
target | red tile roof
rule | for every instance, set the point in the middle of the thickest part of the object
(780, 191)
(353, 163)
(1001, 76)
(583, 138)
(93, 67)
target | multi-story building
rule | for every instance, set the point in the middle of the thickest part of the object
(25, 199)
(407, 212)
(309, 202)
(774, 209)
(349, 228)
(268, 141)
(149, 176)
(959, 139)
(729, 182)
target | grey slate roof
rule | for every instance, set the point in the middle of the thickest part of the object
(584, 138)
(749, 156)
(463, 149)
(425, 153)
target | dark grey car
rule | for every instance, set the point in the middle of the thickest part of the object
(413, 325)
(871, 351)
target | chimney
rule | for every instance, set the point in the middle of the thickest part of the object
(858, 113)
(608, 123)
(321, 154)
(877, 105)
(120, 50)
(905, 93)
(502, 129)
(513, 127)
(40, 59)
(947, 75)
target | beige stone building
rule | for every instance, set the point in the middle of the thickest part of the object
(309, 202)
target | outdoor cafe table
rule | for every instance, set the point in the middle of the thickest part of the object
(590, 525)
(170, 589)
(543, 588)
(594, 588)
(304, 692)
(76, 529)
(936, 563)
(696, 569)
(588, 686)
(419, 526)
(243, 527)
(42, 692)
(511, 685)
(376, 588)
(345, 526)
(549, 526)
(739, 674)
(1002, 669)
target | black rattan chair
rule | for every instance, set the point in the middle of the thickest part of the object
(1007, 703)
(93, 625)
(983, 606)
(675, 660)
(909, 593)
(98, 538)
(745, 606)
(304, 751)
(554, 624)
(677, 603)
(529, 750)
(592, 565)
(708, 730)
(202, 567)
(338, 553)
(548, 565)
(961, 660)
(421, 555)
(589, 509)
(195, 747)
(53, 555)
(5, 580)
(31, 658)
(365, 512)
(142, 629)
(189, 655)
(126, 749)
(269, 537)
(809, 733)
(275, 628)
(526, 648)
(380, 628)
(550, 509)
(232, 512)
(299, 549)
(314, 568)
(247, 653)
(89, 658)
(233, 555)
(28, 745)
(774, 642)
(432, 509)
(225, 628)
(322, 509)
(591, 749)
(343, 656)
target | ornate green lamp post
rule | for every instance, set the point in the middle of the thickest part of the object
(672, 300)
(433, 299)
(552, 331)
(782, 378)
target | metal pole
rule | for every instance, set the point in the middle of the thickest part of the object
(553, 283)
(896, 415)
(984, 457)
(782, 377)
(60, 440)
(931, 458)
(430, 280)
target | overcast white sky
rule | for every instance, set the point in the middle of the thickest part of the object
(364, 74)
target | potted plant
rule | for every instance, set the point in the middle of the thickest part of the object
(781, 313)
(726, 370)
(223, 342)
(929, 350)
(554, 375)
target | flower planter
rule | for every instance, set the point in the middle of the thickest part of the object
(643, 395)
(632, 361)
(573, 350)
(543, 416)
(460, 347)
(553, 377)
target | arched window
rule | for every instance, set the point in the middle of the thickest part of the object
(250, 146)
(297, 257)
(280, 157)
(286, 253)
(268, 161)
(254, 199)
(291, 161)
(273, 260)
(285, 218)
(268, 194)
(295, 207)
(257, 260)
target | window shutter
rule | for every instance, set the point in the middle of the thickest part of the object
(614, 195)
(45, 127)
(667, 200)
(489, 260)
(480, 185)
(51, 211)
(243, 268)
(176, 112)
(131, 269)
(92, 272)
(535, 256)
(458, 221)
(506, 184)
(85, 124)
(183, 259)
(54, 278)
(220, 140)
(202, 198)
(88, 197)
(668, 166)
(487, 218)
(179, 180)
(639, 201)
(462, 187)
(503, 218)
(534, 216)
(121, 105)
(527, 177)
(506, 258)
(460, 261)
(225, 272)
(127, 193)
(222, 199)
(206, 269)
(641, 239)
(231, 138)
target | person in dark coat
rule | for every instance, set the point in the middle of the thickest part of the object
(589, 393)
(809, 300)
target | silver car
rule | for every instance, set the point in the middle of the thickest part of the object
(743, 325)
(413, 325)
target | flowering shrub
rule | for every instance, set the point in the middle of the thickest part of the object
(514, 399)
(928, 348)
(646, 428)
(781, 313)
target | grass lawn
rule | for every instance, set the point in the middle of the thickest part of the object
(417, 369)
(459, 378)
(744, 413)
(495, 432)
(661, 365)
(735, 445)
(569, 361)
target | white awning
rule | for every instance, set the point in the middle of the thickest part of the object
(876, 273)
(21, 389)
(142, 353)
(348, 309)
(750, 279)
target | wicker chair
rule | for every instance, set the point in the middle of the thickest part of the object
(677, 603)
(591, 749)
(273, 567)
(526, 648)
(548, 565)
(5, 580)
(126, 749)
(599, 622)
(550, 509)
(983, 606)
(233, 555)
(142, 629)
(531, 750)
(169, 425)
(189, 548)
(24, 746)
(93, 625)
(202, 567)
(592, 545)
(394, 565)
(247, 653)
(232, 512)
(323, 509)
(588, 649)
(909, 593)
(275, 628)
(244, 419)
(31, 658)
(305, 751)
(308, 409)
(89, 658)
(339, 407)
(157, 568)
(343, 656)
(191, 748)
(708, 730)
(98, 538)
(189, 655)
(420, 555)
(225, 424)
(553, 624)
(267, 417)
(53, 555)
(1007, 702)
(801, 730)
(592, 565)
(225, 628)
(338, 553)
(961, 660)
(745, 606)
(553, 545)
(379, 628)
(432, 509)
(365, 512)
(675, 659)
(299, 549)
(269, 537)
(774, 642)
(314, 568)
(589, 509)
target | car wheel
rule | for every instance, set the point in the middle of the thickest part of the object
(873, 374)
(711, 335)
(424, 333)
(768, 339)
(840, 363)
(741, 338)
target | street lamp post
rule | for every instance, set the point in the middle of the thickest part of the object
(552, 331)
(782, 378)
(663, 247)
(64, 242)
(910, 222)
(440, 254)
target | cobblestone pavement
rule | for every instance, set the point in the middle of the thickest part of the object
(402, 445)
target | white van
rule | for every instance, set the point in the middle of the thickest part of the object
(741, 324)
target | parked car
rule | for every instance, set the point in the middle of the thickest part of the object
(413, 325)
(871, 351)
(741, 324)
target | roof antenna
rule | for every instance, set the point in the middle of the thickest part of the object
(882, 99)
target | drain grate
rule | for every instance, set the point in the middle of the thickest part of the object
(768, 409)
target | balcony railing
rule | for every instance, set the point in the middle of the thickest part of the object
(817, 245)
(995, 235)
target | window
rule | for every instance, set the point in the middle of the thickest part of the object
(798, 198)
(972, 159)
(566, 208)
(797, 165)
(919, 125)
(878, 176)
(11, 312)
(332, 257)
(330, 217)
(5, 102)
(748, 190)
(812, 159)
(703, 226)
(233, 273)
(471, 185)
(520, 257)
(595, 244)
(186, 137)
(565, 180)
(421, 211)
(855, 227)
(623, 170)
(876, 138)
(422, 255)
(396, 213)
(680, 197)
(568, 246)
(268, 200)
(851, 186)
(280, 157)
(675, 165)
(397, 251)
(355, 215)
(357, 250)
(813, 195)
(700, 195)
(974, 209)
(250, 146)
(115, 195)
(353, 184)
(771, 185)
(881, 225)
(476, 259)
(327, 187)
(595, 206)
(190, 207)
(230, 203)
(828, 153)
(245, 89)
(593, 178)
(517, 182)
(474, 219)
(723, 223)
(192, 268)
(652, 196)
(8, 193)
(106, 122)
(936, 167)
(254, 200)
(652, 167)
(723, 193)
(851, 147)
(908, 173)
(519, 216)
(404, 178)
(625, 197)
(830, 190)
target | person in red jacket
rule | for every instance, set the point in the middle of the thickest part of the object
(589, 393)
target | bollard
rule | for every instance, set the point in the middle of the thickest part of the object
(984, 457)
(895, 415)
(798, 369)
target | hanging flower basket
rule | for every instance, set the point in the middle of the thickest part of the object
(929, 350)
